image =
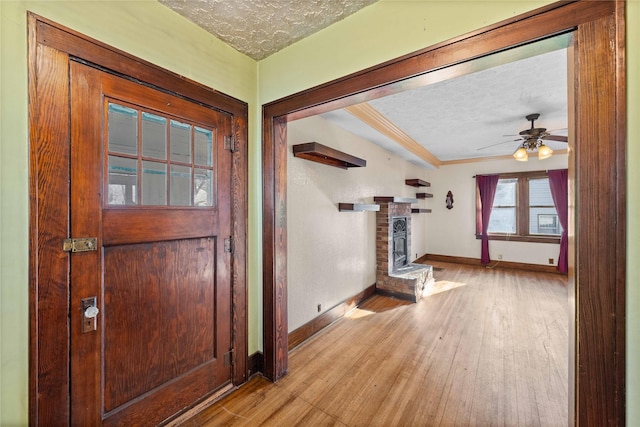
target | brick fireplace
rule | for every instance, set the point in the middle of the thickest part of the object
(395, 274)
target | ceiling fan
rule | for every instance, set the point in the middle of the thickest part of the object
(532, 140)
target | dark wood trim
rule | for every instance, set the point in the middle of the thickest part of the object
(274, 248)
(306, 331)
(256, 364)
(618, 168)
(598, 265)
(239, 233)
(49, 202)
(494, 263)
(601, 223)
(391, 76)
(51, 48)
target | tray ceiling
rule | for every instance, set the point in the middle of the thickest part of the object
(476, 115)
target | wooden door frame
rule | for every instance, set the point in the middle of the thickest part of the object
(51, 48)
(597, 273)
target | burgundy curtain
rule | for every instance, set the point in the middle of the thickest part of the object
(558, 182)
(487, 185)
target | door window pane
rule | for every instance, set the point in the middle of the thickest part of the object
(202, 146)
(123, 129)
(171, 152)
(154, 183)
(123, 181)
(180, 142)
(202, 188)
(180, 185)
(154, 136)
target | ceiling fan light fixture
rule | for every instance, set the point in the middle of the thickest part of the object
(521, 154)
(544, 152)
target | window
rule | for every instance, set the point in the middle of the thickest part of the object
(157, 160)
(503, 212)
(543, 218)
(523, 209)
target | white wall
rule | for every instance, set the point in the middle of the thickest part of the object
(452, 232)
(331, 254)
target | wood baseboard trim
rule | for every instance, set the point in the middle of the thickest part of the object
(256, 364)
(307, 330)
(494, 263)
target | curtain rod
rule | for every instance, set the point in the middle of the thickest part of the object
(506, 173)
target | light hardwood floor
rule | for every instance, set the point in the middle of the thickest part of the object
(487, 347)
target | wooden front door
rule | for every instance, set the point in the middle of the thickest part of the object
(150, 180)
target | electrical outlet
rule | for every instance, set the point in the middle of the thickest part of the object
(499, 256)
(551, 261)
(319, 308)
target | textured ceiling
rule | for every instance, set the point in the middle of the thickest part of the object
(477, 114)
(259, 28)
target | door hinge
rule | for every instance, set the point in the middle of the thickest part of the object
(228, 358)
(83, 244)
(228, 245)
(230, 143)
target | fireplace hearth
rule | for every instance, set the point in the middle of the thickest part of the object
(395, 274)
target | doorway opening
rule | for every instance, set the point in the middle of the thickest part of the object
(600, 130)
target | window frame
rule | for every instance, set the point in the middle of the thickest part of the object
(172, 119)
(522, 210)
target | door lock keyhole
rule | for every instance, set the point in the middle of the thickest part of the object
(89, 313)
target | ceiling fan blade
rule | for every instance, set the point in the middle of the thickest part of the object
(557, 138)
(499, 143)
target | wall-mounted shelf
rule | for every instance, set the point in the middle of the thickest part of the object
(424, 195)
(326, 155)
(417, 183)
(421, 210)
(391, 199)
(357, 207)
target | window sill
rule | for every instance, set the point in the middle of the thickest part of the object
(518, 238)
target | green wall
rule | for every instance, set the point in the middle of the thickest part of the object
(145, 29)
(380, 32)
